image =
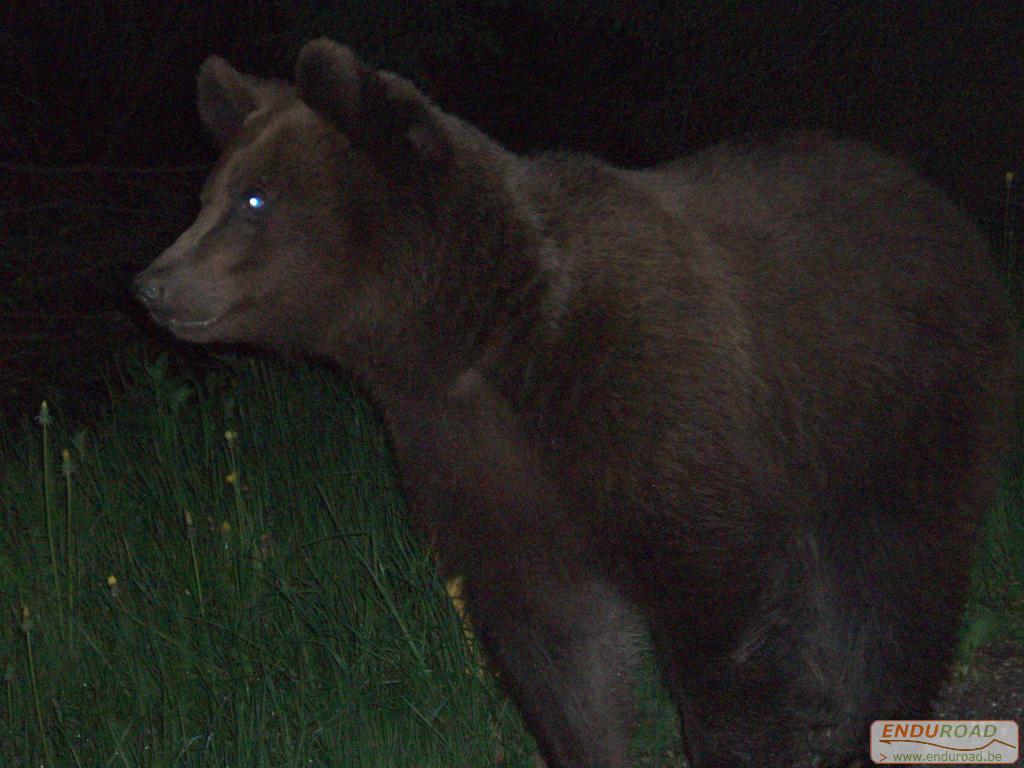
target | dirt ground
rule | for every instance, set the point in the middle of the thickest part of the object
(992, 688)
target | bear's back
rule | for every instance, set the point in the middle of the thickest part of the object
(787, 307)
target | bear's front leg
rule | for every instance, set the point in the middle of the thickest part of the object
(560, 636)
(563, 646)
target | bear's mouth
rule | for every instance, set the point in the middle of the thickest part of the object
(181, 326)
(176, 323)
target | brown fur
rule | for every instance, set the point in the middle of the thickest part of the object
(751, 401)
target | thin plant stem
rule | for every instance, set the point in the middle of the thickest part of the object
(190, 534)
(69, 541)
(51, 535)
(26, 627)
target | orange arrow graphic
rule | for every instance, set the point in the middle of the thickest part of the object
(943, 746)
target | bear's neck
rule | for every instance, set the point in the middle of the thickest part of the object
(496, 334)
(493, 292)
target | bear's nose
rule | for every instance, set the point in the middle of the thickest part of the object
(147, 290)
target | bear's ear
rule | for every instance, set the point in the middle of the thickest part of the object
(379, 112)
(226, 97)
(330, 80)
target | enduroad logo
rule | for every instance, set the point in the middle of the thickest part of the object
(938, 742)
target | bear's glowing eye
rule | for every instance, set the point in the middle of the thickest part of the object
(255, 201)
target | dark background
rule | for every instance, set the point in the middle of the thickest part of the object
(101, 152)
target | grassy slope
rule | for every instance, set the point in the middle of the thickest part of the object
(293, 621)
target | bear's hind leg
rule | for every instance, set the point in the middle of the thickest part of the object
(772, 679)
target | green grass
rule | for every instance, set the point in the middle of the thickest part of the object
(289, 618)
(996, 604)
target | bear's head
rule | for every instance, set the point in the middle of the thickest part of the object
(347, 216)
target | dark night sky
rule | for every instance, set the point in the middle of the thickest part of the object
(111, 85)
(113, 82)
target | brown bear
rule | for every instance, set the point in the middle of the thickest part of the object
(749, 402)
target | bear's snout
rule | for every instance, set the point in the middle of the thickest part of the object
(186, 301)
